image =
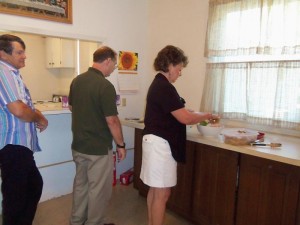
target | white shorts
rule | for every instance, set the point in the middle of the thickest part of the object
(159, 169)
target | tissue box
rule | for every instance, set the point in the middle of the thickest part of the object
(127, 177)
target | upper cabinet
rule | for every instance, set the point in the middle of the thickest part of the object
(86, 51)
(60, 53)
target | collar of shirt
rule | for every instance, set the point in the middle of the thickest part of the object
(16, 71)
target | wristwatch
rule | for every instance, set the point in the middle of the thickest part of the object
(121, 146)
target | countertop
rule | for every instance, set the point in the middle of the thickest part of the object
(288, 153)
(51, 108)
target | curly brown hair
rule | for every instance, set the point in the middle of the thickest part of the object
(169, 55)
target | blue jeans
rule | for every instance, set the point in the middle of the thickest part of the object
(21, 187)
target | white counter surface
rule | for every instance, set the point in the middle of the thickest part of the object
(288, 153)
(50, 108)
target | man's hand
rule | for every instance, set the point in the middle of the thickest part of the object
(121, 153)
(42, 124)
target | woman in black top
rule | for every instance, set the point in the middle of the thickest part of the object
(164, 135)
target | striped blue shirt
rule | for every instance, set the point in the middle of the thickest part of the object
(12, 129)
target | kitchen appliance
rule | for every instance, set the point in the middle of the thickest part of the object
(58, 97)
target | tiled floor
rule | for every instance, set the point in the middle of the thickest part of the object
(127, 208)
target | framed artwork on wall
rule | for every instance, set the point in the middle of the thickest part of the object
(128, 62)
(53, 10)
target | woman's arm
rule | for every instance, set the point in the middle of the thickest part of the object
(188, 117)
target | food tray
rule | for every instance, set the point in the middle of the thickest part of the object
(239, 136)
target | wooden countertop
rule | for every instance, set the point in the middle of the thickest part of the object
(288, 153)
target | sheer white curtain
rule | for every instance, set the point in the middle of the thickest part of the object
(248, 27)
(264, 90)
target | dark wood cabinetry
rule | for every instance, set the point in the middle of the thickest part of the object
(220, 187)
(181, 195)
(268, 192)
(214, 185)
(137, 163)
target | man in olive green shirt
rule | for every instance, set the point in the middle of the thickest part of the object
(95, 124)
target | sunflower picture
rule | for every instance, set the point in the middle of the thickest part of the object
(128, 61)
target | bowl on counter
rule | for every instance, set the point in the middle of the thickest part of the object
(239, 136)
(210, 131)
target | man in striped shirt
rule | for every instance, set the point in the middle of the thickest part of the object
(21, 180)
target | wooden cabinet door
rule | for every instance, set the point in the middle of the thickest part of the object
(181, 195)
(214, 186)
(53, 52)
(137, 163)
(67, 53)
(268, 192)
(60, 53)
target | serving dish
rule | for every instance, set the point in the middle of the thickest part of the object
(239, 136)
(210, 131)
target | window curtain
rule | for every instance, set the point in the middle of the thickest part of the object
(250, 27)
(259, 92)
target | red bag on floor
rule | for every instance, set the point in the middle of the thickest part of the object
(127, 177)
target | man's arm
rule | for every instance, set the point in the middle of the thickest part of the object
(26, 114)
(115, 127)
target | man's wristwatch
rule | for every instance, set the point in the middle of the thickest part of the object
(121, 146)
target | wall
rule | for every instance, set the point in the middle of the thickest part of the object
(183, 24)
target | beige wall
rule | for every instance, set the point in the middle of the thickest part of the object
(183, 24)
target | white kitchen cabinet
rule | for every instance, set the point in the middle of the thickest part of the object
(86, 51)
(55, 161)
(60, 53)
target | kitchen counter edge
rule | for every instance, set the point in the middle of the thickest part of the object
(56, 112)
(289, 153)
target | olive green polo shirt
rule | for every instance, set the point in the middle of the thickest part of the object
(92, 98)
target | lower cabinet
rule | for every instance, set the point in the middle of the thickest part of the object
(221, 187)
(181, 197)
(268, 192)
(137, 163)
(214, 185)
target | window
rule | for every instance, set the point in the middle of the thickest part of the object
(253, 71)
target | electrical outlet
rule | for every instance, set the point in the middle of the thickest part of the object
(123, 101)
